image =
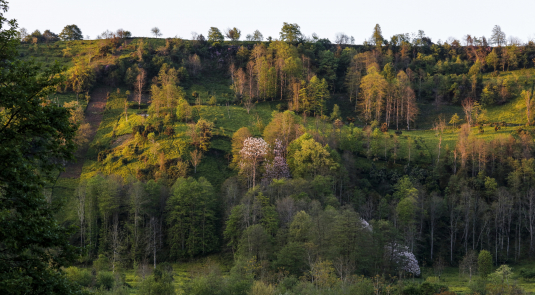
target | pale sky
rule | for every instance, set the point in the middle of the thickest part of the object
(439, 19)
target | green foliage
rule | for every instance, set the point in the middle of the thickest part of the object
(292, 258)
(102, 263)
(290, 32)
(36, 138)
(105, 279)
(192, 218)
(81, 276)
(255, 243)
(70, 33)
(297, 224)
(306, 157)
(160, 282)
(484, 263)
(215, 35)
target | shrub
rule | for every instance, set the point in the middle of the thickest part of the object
(484, 263)
(138, 129)
(102, 263)
(213, 101)
(105, 279)
(478, 286)
(428, 288)
(169, 131)
(384, 128)
(82, 276)
(102, 155)
(363, 286)
(527, 273)
(411, 289)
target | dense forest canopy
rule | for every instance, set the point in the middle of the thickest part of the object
(316, 166)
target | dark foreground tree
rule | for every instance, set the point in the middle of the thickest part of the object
(36, 138)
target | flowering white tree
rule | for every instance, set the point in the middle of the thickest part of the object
(401, 255)
(404, 258)
(278, 168)
(254, 150)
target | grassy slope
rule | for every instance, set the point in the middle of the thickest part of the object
(229, 119)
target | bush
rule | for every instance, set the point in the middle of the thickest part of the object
(527, 273)
(103, 155)
(478, 286)
(102, 263)
(362, 287)
(428, 288)
(82, 276)
(484, 263)
(138, 129)
(213, 101)
(105, 279)
(169, 131)
(411, 289)
(384, 128)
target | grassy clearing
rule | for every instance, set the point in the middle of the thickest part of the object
(512, 112)
(115, 133)
(460, 283)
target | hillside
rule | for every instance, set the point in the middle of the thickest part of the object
(168, 176)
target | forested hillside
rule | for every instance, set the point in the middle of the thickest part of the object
(297, 165)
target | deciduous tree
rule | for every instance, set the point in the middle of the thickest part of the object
(215, 35)
(498, 37)
(70, 33)
(156, 32)
(290, 32)
(192, 218)
(254, 150)
(233, 34)
(36, 140)
(140, 83)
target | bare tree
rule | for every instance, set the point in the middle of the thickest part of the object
(152, 231)
(469, 263)
(248, 104)
(194, 64)
(435, 207)
(115, 241)
(140, 83)
(196, 157)
(286, 209)
(341, 38)
(529, 205)
(156, 32)
(454, 212)
(126, 105)
(498, 36)
(136, 202)
(80, 206)
(468, 105)
(233, 34)
(528, 99)
(440, 125)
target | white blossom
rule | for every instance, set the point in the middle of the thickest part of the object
(278, 168)
(253, 151)
(401, 254)
(405, 259)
